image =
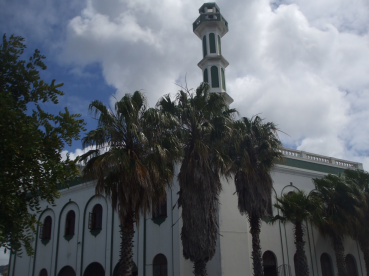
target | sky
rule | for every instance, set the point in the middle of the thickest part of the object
(303, 65)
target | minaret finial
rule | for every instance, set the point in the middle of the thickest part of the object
(210, 27)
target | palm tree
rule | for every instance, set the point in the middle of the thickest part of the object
(297, 207)
(132, 162)
(339, 214)
(204, 126)
(361, 178)
(255, 152)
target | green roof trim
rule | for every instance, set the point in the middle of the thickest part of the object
(300, 164)
(74, 182)
(290, 162)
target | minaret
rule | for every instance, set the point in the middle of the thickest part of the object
(210, 27)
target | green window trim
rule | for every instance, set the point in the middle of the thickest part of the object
(206, 78)
(223, 80)
(212, 43)
(214, 76)
(219, 46)
(204, 50)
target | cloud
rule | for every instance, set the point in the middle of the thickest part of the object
(299, 64)
(78, 152)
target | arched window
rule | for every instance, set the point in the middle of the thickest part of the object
(160, 209)
(206, 79)
(69, 223)
(134, 270)
(45, 233)
(204, 50)
(223, 80)
(351, 265)
(160, 265)
(219, 46)
(212, 43)
(269, 264)
(43, 272)
(95, 219)
(94, 269)
(326, 265)
(214, 76)
(67, 271)
(269, 207)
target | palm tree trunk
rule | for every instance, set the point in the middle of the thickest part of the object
(364, 246)
(339, 251)
(257, 261)
(301, 264)
(126, 245)
(200, 268)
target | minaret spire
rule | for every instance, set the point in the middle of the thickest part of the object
(210, 27)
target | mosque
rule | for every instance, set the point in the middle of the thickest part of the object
(80, 235)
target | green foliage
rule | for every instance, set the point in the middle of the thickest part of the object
(133, 161)
(254, 151)
(133, 156)
(341, 205)
(204, 128)
(31, 141)
(361, 230)
(296, 206)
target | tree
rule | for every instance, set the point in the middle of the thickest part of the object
(255, 152)
(204, 127)
(133, 161)
(296, 207)
(361, 234)
(340, 212)
(31, 141)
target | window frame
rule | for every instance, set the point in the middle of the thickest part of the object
(160, 209)
(160, 264)
(327, 257)
(45, 229)
(95, 218)
(70, 223)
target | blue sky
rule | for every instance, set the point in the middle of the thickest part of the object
(301, 64)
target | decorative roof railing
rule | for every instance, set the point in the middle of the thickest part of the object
(209, 17)
(320, 158)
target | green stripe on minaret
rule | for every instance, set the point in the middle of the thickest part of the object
(206, 78)
(214, 77)
(212, 43)
(204, 51)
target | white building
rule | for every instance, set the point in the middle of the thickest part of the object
(80, 236)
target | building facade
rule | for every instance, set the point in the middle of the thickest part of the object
(80, 235)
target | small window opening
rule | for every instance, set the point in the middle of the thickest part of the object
(70, 223)
(160, 265)
(351, 265)
(269, 264)
(326, 265)
(269, 207)
(43, 272)
(160, 209)
(45, 233)
(95, 219)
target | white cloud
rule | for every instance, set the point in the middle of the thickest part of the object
(297, 63)
(78, 152)
(72, 155)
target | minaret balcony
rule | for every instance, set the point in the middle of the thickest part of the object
(212, 18)
(213, 59)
